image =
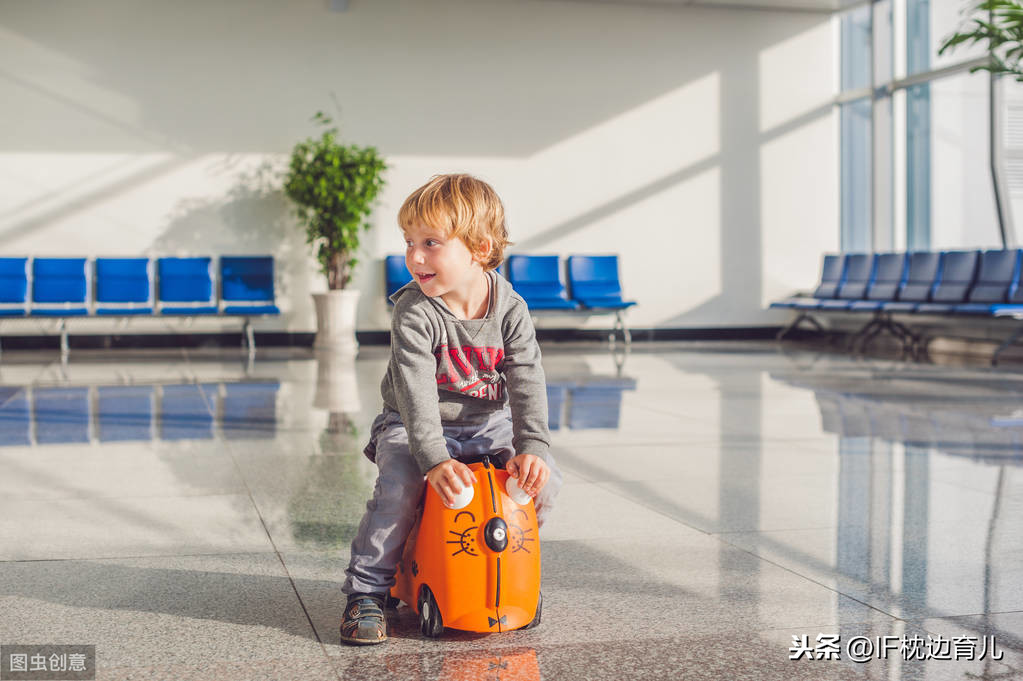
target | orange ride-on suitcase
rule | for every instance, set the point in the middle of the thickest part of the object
(475, 568)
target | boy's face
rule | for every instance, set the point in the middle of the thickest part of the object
(442, 265)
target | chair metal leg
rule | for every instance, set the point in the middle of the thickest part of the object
(64, 348)
(620, 324)
(1005, 345)
(249, 337)
(907, 339)
(871, 336)
(867, 331)
(791, 327)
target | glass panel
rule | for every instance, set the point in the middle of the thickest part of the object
(883, 237)
(882, 41)
(900, 173)
(928, 24)
(918, 167)
(962, 199)
(1011, 119)
(856, 48)
(855, 171)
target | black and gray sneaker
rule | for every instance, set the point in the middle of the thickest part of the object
(364, 622)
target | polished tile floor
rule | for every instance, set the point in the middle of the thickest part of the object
(726, 507)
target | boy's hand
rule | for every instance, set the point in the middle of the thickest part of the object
(449, 478)
(531, 472)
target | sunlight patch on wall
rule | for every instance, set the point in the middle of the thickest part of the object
(626, 154)
(786, 67)
(796, 190)
(51, 94)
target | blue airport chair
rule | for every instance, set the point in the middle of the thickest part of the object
(1012, 308)
(186, 411)
(249, 410)
(859, 275)
(593, 281)
(831, 278)
(890, 272)
(829, 285)
(61, 415)
(396, 274)
(124, 286)
(537, 278)
(125, 413)
(833, 268)
(60, 288)
(995, 276)
(15, 417)
(185, 286)
(247, 290)
(957, 276)
(923, 275)
(13, 287)
(247, 285)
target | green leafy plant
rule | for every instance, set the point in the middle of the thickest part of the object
(334, 187)
(999, 23)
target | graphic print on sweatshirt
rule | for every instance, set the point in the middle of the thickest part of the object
(470, 371)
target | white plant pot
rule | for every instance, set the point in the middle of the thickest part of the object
(335, 321)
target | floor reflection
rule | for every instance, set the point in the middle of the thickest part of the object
(34, 415)
(719, 500)
(928, 494)
(509, 664)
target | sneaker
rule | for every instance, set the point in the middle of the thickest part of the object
(364, 622)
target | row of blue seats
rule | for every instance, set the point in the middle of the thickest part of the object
(963, 283)
(594, 281)
(71, 415)
(243, 286)
(69, 287)
(594, 285)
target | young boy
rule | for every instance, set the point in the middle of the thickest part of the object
(464, 379)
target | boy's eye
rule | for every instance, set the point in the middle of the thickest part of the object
(431, 242)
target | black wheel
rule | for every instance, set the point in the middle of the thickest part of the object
(430, 621)
(539, 609)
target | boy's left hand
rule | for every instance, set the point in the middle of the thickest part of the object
(531, 472)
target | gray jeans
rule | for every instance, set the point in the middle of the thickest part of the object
(391, 512)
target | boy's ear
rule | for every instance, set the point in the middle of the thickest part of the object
(484, 250)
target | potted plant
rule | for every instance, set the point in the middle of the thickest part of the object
(999, 23)
(334, 187)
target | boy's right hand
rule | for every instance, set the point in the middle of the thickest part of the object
(449, 478)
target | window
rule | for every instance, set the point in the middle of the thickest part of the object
(915, 146)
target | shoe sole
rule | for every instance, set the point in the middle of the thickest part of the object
(362, 642)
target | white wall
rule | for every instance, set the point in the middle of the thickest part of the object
(697, 143)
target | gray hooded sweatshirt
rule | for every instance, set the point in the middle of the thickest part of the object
(445, 370)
